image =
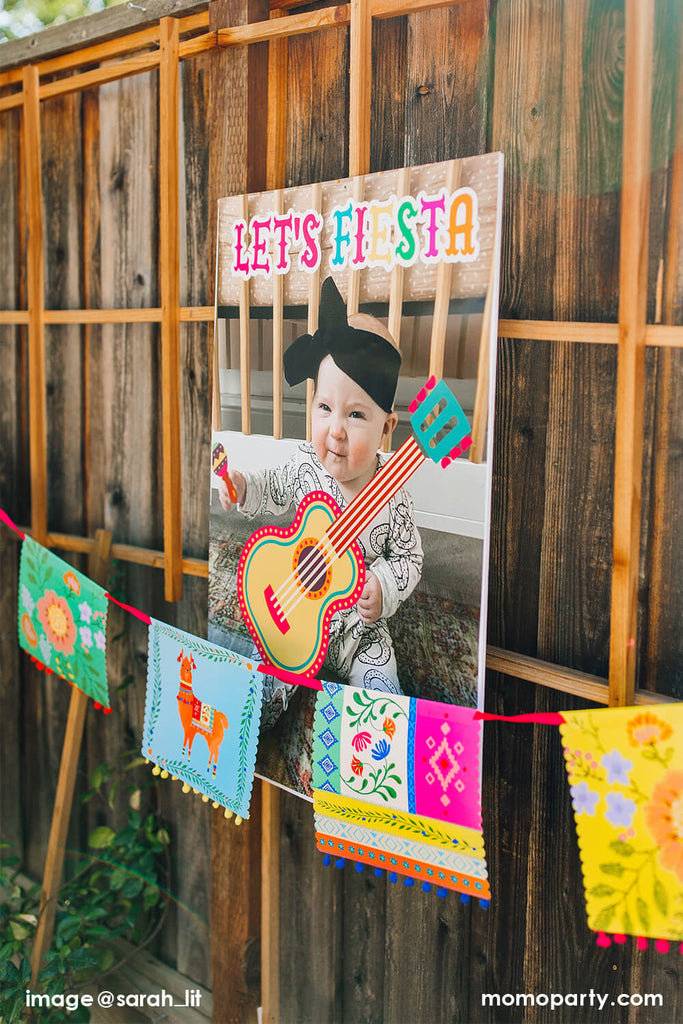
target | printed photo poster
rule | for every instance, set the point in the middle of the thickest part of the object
(380, 291)
(202, 715)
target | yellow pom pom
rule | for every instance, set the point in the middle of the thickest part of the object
(186, 788)
(156, 770)
(196, 792)
(215, 804)
(174, 778)
(146, 760)
(164, 774)
(228, 814)
(238, 820)
(205, 798)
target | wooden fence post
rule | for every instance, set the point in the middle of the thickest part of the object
(169, 264)
(628, 457)
(98, 569)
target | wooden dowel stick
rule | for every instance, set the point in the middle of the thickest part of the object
(270, 904)
(98, 570)
(36, 305)
(635, 207)
(169, 263)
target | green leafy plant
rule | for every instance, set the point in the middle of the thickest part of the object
(117, 892)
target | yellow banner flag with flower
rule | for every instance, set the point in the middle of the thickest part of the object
(625, 768)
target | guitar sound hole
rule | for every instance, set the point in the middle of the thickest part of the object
(312, 569)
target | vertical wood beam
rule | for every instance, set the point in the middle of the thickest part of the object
(169, 263)
(635, 201)
(98, 570)
(35, 285)
(276, 165)
(360, 86)
(442, 298)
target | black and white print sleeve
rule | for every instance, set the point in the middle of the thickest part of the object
(398, 550)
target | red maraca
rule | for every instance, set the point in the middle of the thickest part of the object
(220, 468)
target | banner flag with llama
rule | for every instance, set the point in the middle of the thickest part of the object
(63, 620)
(202, 716)
(625, 769)
(397, 785)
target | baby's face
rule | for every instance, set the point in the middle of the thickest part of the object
(347, 428)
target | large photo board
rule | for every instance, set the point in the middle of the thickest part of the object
(411, 256)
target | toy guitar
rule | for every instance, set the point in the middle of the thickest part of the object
(291, 580)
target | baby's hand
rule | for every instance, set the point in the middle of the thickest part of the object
(370, 602)
(240, 485)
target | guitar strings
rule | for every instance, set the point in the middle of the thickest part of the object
(406, 460)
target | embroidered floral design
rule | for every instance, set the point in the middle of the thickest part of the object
(620, 810)
(664, 819)
(29, 630)
(647, 728)
(380, 750)
(389, 726)
(57, 621)
(584, 800)
(26, 599)
(357, 766)
(617, 767)
(361, 740)
(85, 611)
(100, 641)
(85, 634)
(72, 582)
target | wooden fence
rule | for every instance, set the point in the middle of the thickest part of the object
(108, 244)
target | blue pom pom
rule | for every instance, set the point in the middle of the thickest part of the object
(392, 876)
(464, 898)
(378, 872)
(359, 867)
(442, 893)
(426, 887)
(409, 881)
(340, 863)
(484, 903)
(327, 860)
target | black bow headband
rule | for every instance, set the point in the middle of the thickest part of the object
(368, 359)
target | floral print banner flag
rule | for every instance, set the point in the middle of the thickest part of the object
(202, 716)
(63, 620)
(625, 768)
(397, 785)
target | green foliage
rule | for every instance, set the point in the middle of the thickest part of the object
(117, 893)
(24, 17)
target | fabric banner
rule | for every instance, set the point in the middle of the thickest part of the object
(202, 715)
(63, 620)
(625, 769)
(397, 785)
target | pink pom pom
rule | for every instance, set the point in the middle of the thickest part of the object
(620, 938)
(641, 942)
(603, 940)
(662, 946)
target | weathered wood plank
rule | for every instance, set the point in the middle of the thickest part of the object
(317, 91)
(311, 911)
(62, 188)
(235, 852)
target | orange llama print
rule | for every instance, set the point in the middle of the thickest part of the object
(197, 716)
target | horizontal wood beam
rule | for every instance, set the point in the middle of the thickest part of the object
(656, 335)
(112, 24)
(277, 28)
